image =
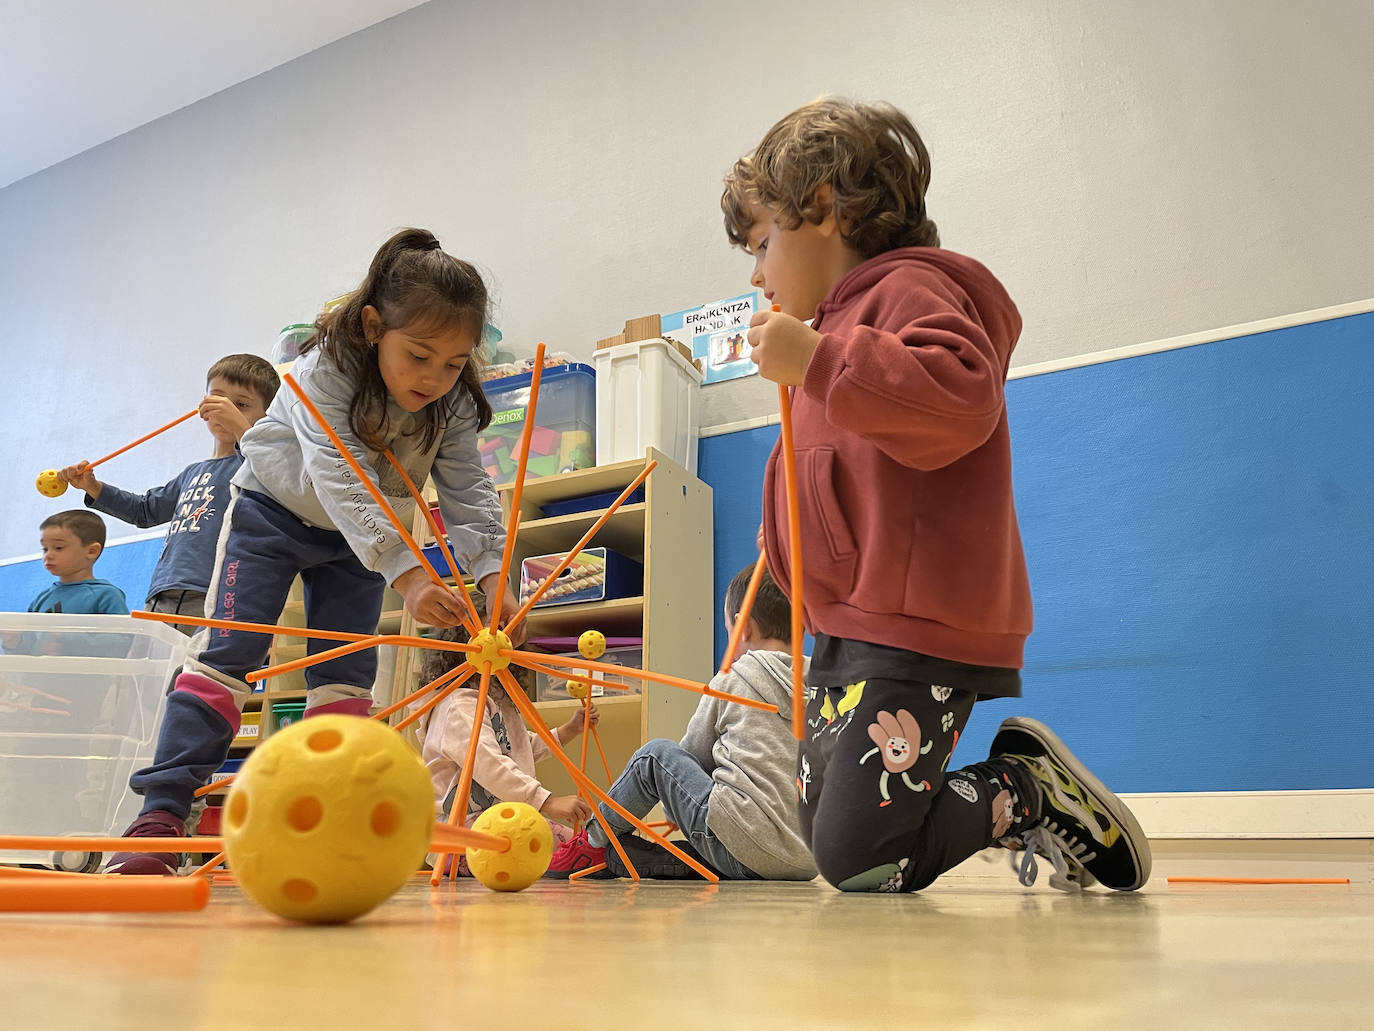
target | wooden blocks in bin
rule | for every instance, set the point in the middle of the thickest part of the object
(646, 327)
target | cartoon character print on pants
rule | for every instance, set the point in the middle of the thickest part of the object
(899, 744)
(803, 778)
(831, 712)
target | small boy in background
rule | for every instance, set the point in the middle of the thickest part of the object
(238, 390)
(730, 783)
(507, 750)
(71, 542)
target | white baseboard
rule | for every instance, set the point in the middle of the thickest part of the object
(1271, 815)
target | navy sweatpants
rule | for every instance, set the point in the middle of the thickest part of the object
(263, 547)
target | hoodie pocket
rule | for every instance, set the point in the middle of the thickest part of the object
(824, 515)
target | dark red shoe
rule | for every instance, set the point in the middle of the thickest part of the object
(577, 853)
(158, 823)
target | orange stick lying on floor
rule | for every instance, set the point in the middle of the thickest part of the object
(86, 894)
(1258, 880)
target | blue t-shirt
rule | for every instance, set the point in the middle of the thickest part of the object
(194, 505)
(83, 596)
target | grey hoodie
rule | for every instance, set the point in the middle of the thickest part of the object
(752, 757)
(287, 456)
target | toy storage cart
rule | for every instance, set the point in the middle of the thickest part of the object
(81, 700)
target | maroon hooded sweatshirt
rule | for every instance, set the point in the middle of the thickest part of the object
(909, 535)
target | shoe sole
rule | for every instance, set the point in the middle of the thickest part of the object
(1104, 798)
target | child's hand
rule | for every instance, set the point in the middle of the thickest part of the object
(782, 345)
(223, 415)
(578, 722)
(567, 809)
(80, 477)
(505, 601)
(427, 601)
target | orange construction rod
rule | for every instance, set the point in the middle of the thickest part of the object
(572, 554)
(91, 843)
(587, 872)
(464, 671)
(591, 729)
(549, 671)
(522, 658)
(415, 696)
(147, 436)
(105, 895)
(270, 629)
(460, 588)
(584, 783)
(405, 640)
(214, 863)
(455, 839)
(586, 729)
(587, 787)
(460, 799)
(363, 478)
(536, 376)
(1258, 880)
(745, 610)
(789, 461)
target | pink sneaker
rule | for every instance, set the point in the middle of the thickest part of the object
(155, 824)
(577, 853)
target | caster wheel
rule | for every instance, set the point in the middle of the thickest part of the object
(77, 862)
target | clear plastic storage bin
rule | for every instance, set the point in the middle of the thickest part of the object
(557, 687)
(564, 436)
(81, 700)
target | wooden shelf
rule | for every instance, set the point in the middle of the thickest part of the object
(288, 696)
(623, 532)
(623, 617)
(597, 480)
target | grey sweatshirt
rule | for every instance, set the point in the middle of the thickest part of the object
(752, 757)
(287, 456)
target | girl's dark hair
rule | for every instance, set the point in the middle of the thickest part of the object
(411, 280)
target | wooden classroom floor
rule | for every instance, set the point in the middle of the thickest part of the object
(968, 953)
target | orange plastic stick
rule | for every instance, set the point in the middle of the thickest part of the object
(465, 671)
(549, 671)
(789, 462)
(523, 658)
(1258, 880)
(463, 794)
(147, 436)
(571, 555)
(214, 863)
(91, 843)
(588, 787)
(587, 872)
(745, 609)
(270, 629)
(474, 621)
(591, 729)
(536, 375)
(586, 728)
(455, 839)
(213, 788)
(416, 695)
(363, 478)
(105, 895)
(358, 646)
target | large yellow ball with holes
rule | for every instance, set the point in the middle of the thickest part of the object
(328, 818)
(531, 847)
(50, 485)
(592, 644)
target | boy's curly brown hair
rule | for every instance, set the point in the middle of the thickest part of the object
(870, 155)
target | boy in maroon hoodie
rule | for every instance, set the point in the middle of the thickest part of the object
(915, 583)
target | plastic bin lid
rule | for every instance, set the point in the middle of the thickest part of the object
(552, 373)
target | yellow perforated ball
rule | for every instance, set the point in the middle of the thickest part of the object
(50, 485)
(328, 818)
(578, 688)
(592, 644)
(531, 847)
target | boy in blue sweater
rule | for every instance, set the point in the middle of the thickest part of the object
(238, 390)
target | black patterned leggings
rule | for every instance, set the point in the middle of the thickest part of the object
(876, 808)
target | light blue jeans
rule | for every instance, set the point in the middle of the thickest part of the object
(664, 771)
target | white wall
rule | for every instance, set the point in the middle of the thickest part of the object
(1132, 170)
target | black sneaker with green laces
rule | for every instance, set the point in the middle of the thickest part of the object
(1078, 823)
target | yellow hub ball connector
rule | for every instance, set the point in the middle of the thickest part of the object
(328, 818)
(592, 644)
(49, 485)
(531, 847)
